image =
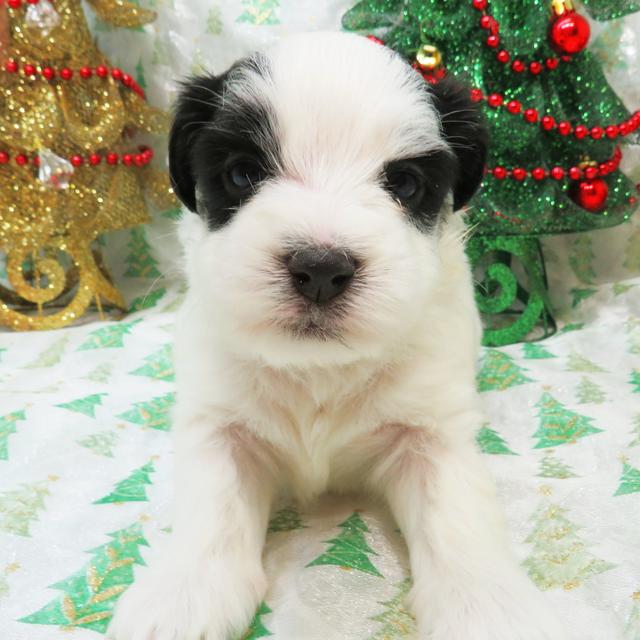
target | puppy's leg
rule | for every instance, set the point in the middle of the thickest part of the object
(466, 585)
(208, 580)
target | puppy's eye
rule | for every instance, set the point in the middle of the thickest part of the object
(243, 176)
(402, 184)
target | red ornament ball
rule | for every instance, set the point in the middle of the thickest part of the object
(21, 159)
(530, 115)
(597, 132)
(557, 173)
(94, 159)
(14, 4)
(551, 63)
(76, 160)
(564, 128)
(538, 173)
(575, 173)
(548, 123)
(590, 194)
(11, 66)
(535, 68)
(85, 72)
(29, 69)
(569, 33)
(503, 56)
(611, 131)
(102, 71)
(66, 73)
(494, 100)
(500, 173)
(112, 158)
(514, 106)
(479, 5)
(590, 173)
(519, 173)
(493, 41)
(580, 131)
(48, 73)
(518, 66)
(4, 157)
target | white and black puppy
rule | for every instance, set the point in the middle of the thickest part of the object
(329, 338)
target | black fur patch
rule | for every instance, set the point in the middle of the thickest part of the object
(208, 133)
(466, 133)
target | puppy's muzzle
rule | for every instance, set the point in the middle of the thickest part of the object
(321, 274)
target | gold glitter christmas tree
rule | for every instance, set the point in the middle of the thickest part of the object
(69, 168)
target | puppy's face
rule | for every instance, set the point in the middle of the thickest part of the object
(321, 174)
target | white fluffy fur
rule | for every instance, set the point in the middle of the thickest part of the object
(390, 408)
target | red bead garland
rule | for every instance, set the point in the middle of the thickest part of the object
(490, 24)
(140, 159)
(558, 173)
(16, 4)
(85, 72)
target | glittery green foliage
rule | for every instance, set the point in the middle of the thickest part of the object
(632, 628)
(590, 392)
(349, 549)
(257, 628)
(577, 91)
(159, 365)
(629, 481)
(491, 442)
(132, 488)
(154, 413)
(636, 431)
(395, 620)
(533, 351)
(7, 427)
(86, 405)
(140, 260)
(635, 380)
(108, 337)
(287, 519)
(146, 301)
(19, 507)
(499, 372)
(89, 595)
(51, 355)
(552, 467)
(558, 425)
(559, 558)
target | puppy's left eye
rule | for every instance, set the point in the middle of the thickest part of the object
(243, 176)
(402, 184)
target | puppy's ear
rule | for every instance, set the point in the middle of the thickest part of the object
(197, 103)
(465, 131)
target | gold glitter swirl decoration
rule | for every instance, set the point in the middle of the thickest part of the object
(49, 228)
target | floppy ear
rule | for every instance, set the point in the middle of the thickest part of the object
(197, 103)
(465, 131)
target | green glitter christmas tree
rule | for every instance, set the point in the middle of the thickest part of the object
(491, 442)
(132, 488)
(100, 443)
(141, 262)
(159, 365)
(635, 380)
(499, 372)
(395, 620)
(257, 629)
(559, 557)
(20, 507)
(88, 596)
(349, 549)
(590, 392)
(629, 481)
(7, 427)
(109, 337)
(555, 127)
(558, 425)
(286, 519)
(534, 351)
(553, 467)
(632, 628)
(153, 413)
(86, 405)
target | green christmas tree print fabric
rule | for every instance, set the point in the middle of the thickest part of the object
(85, 488)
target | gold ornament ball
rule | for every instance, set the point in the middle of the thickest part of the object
(429, 57)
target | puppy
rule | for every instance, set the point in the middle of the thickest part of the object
(329, 338)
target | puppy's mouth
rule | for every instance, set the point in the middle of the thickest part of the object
(313, 321)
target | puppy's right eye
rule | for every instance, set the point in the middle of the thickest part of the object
(243, 176)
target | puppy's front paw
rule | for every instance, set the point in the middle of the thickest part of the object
(510, 611)
(216, 601)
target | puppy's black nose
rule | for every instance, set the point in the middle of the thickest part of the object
(320, 274)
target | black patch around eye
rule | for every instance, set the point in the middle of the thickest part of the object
(421, 184)
(232, 158)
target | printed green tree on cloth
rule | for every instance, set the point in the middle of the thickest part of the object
(141, 262)
(154, 413)
(349, 549)
(590, 392)
(259, 12)
(552, 467)
(51, 355)
(132, 488)
(578, 363)
(559, 557)
(89, 595)
(395, 620)
(159, 365)
(7, 427)
(100, 443)
(632, 628)
(19, 508)
(491, 442)
(559, 425)
(286, 519)
(635, 431)
(101, 373)
(581, 259)
(109, 337)
(635, 380)
(146, 301)
(499, 372)
(257, 628)
(629, 481)
(86, 405)
(555, 127)
(534, 351)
